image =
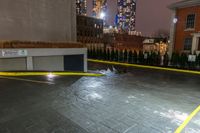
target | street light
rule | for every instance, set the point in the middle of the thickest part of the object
(102, 15)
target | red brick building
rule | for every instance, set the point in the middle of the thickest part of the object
(125, 41)
(185, 28)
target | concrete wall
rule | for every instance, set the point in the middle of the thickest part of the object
(40, 20)
(48, 59)
(51, 63)
(12, 64)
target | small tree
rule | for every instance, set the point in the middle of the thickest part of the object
(130, 56)
(100, 54)
(141, 57)
(175, 59)
(108, 54)
(153, 58)
(121, 56)
(183, 60)
(166, 59)
(125, 55)
(94, 53)
(112, 56)
(146, 57)
(116, 55)
(158, 62)
(89, 53)
(104, 54)
(135, 57)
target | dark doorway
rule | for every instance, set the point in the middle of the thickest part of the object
(198, 43)
(74, 62)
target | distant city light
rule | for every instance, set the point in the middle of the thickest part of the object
(110, 27)
(102, 15)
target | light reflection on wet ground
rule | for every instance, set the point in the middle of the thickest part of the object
(126, 100)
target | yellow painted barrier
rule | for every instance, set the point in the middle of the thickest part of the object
(145, 66)
(189, 118)
(50, 73)
(27, 80)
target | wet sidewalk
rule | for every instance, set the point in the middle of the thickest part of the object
(130, 101)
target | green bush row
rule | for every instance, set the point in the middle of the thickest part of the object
(148, 58)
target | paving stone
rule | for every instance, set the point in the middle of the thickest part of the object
(134, 102)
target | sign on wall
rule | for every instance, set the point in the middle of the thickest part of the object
(192, 58)
(14, 53)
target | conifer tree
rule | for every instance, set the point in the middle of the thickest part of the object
(130, 56)
(125, 55)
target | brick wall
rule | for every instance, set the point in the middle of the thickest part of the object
(181, 32)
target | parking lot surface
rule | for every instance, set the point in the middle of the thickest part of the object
(126, 101)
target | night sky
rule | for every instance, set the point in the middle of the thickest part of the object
(152, 15)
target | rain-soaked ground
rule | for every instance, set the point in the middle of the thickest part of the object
(126, 100)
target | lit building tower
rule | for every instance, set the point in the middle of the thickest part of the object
(99, 8)
(126, 15)
(81, 7)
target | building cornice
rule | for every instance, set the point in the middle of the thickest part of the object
(183, 4)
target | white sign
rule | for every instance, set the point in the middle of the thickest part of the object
(14, 53)
(192, 58)
(149, 41)
(145, 55)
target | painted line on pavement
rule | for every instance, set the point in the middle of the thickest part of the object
(189, 118)
(27, 80)
(145, 66)
(50, 73)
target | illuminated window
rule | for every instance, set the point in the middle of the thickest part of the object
(188, 43)
(190, 21)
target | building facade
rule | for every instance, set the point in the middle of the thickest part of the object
(126, 15)
(99, 8)
(185, 29)
(81, 7)
(125, 41)
(89, 30)
(39, 26)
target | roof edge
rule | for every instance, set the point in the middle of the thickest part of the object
(183, 4)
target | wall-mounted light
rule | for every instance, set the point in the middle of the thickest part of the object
(175, 20)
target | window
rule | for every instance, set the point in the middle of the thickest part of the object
(188, 44)
(190, 21)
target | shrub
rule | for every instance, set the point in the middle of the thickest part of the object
(130, 56)
(125, 55)
(104, 54)
(121, 56)
(112, 56)
(183, 60)
(108, 54)
(166, 59)
(135, 57)
(116, 55)
(100, 54)
(141, 57)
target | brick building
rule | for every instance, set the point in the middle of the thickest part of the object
(185, 28)
(125, 41)
(89, 30)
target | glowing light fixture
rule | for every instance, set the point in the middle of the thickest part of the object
(102, 15)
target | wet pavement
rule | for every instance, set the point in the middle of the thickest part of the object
(126, 100)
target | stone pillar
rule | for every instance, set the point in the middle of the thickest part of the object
(29, 63)
(172, 34)
(85, 62)
(195, 42)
